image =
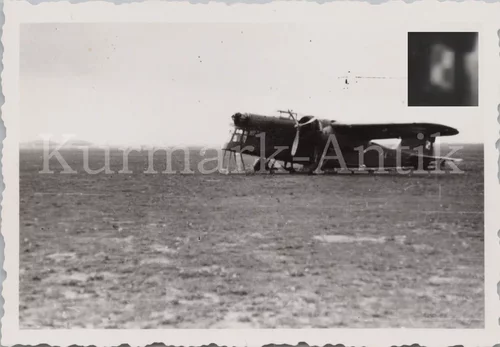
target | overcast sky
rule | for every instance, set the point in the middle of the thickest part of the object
(178, 84)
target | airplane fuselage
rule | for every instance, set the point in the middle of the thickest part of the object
(325, 143)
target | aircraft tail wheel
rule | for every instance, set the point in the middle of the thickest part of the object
(427, 163)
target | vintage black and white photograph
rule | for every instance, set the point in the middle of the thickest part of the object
(190, 191)
(247, 173)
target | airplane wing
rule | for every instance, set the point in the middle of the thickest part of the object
(391, 130)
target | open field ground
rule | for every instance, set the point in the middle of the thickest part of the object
(251, 251)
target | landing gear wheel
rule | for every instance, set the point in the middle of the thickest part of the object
(442, 165)
(289, 167)
(315, 159)
(257, 166)
(271, 168)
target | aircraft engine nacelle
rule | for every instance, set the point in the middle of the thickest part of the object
(309, 123)
(258, 122)
(308, 128)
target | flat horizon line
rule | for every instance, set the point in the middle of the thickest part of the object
(26, 145)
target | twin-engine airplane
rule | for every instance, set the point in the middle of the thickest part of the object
(319, 144)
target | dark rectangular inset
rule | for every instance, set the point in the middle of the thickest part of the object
(442, 69)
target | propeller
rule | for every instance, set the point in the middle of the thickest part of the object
(298, 125)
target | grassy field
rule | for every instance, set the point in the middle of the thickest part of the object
(252, 251)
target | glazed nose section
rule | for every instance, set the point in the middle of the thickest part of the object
(230, 142)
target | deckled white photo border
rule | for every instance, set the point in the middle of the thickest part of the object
(418, 16)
